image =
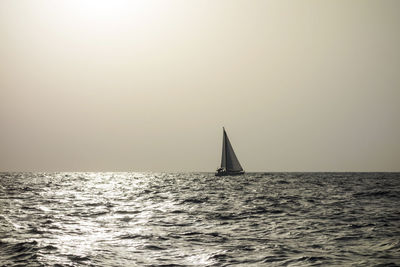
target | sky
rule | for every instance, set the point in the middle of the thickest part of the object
(98, 85)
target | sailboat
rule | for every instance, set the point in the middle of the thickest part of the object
(230, 165)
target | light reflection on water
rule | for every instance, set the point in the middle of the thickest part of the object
(128, 219)
(111, 213)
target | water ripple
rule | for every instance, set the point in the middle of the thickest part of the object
(196, 219)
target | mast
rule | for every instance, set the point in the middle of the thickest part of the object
(223, 157)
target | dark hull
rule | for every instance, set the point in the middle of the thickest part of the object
(228, 173)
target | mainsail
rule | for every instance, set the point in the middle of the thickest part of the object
(229, 161)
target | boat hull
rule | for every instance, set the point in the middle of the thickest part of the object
(228, 173)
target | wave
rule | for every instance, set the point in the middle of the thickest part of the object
(19, 253)
(183, 219)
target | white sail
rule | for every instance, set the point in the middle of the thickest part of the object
(229, 160)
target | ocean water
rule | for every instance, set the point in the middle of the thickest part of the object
(197, 219)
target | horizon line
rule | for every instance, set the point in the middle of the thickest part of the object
(193, 171)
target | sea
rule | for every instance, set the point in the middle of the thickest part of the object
(197, 219)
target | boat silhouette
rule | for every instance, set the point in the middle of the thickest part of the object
(230, 164)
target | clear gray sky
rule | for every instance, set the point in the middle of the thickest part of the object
(147, 85)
